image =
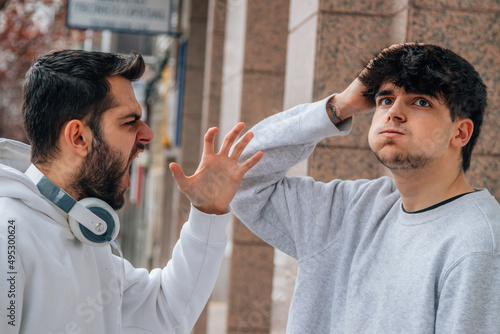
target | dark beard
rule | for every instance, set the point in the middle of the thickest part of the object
(101, 175)
(404, 162)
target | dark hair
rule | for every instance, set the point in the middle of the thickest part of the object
(437, 72)
(70, 84)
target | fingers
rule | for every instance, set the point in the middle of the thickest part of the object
(251, 162)
(230, 138)
(241, 145)
(208, 143)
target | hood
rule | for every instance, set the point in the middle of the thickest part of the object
(14, 160)
(14, 154)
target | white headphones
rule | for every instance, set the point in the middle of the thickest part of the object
(91, 220)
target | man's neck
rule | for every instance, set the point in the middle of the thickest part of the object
(60, 175)
(422, 188)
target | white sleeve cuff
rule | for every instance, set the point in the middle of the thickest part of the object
(209, 228)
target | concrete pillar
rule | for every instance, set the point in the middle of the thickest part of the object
(253, 88)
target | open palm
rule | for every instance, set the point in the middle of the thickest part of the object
(212, 187)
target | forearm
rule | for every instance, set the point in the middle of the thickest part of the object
(289, 137)
(174, 297)
(190, 276)
(265, 195)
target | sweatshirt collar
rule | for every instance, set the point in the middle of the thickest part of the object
(438, 211)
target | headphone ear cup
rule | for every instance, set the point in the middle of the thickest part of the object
(103, 211)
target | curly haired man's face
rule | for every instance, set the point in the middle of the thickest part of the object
(409, 131)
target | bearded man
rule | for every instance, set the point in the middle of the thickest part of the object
(58, 215)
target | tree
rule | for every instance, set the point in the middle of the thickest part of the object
(28, 28)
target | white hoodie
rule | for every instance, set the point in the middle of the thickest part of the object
(51, 283)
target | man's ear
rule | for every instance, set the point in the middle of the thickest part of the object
(77, 137)
(463, 132)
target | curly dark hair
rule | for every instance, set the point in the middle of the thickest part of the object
(70, 84)
(435, 71)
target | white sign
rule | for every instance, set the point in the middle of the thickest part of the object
(135, 16)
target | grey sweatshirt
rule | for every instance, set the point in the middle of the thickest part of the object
(364, 264)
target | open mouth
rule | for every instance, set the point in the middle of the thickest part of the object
(133, 156)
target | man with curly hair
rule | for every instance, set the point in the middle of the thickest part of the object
(418, 252)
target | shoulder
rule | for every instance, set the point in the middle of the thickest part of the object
(32, 227)
(14, 208)
(352, 190)
(381, 189)
(487, 212)
(383, 184)
(472, 223)
(11, 210)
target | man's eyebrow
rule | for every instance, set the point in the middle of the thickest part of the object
(384, 92)
(133, 115)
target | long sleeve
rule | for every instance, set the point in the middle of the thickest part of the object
(275, 206)
(170, 300)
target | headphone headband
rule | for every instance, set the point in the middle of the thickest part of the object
(65, 202)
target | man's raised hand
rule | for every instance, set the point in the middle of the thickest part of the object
(212, 187)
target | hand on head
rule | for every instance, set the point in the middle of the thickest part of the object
(356, 99)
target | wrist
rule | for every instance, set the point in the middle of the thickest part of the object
(333, 111)
(345, 109)
(211, 211)
(211, 228)
(353, 101)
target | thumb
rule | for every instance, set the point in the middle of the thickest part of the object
(178, 174)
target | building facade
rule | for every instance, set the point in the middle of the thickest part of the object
(248, 59)
(243, 60)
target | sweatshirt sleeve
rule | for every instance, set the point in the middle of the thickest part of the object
(171, 299)
(288, 212)
(469, 301)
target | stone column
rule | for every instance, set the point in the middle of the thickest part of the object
(253, 87)
(470, 29)
(347, 34)
(330, 41)
(214, 59)
(192, 132)
(350, 32)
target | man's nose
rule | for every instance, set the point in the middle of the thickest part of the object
(397, 112)
(145, 134)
